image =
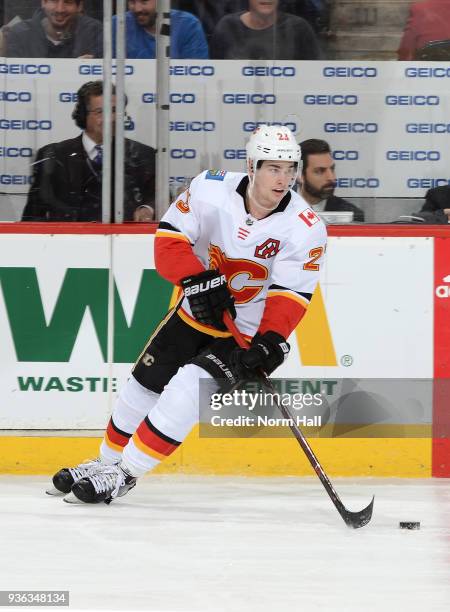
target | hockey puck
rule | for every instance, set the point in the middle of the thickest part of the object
(409, 525)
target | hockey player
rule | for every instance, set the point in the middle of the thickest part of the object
(239, 242)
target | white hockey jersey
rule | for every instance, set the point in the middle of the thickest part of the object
(271, 265)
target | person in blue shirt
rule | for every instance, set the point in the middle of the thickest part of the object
(187, 40)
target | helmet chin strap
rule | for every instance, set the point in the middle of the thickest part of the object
(251, 164)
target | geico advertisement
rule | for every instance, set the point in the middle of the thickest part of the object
(386, 121)
(59, 331)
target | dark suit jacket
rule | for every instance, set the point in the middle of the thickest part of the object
(27, 39)
(437, 198)
(337, 204)
(67, 185)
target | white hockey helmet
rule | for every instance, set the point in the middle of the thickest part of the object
(272, 142)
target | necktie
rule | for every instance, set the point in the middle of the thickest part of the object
(98, 159)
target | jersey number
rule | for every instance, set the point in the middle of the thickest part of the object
(315, 254)
(282, 136)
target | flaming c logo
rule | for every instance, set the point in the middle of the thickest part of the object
(314, 338)
(245, 269)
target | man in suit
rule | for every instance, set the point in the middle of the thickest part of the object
(57, 29)
(317, 180)
(67, 175)
(428, 21)
(437, 204)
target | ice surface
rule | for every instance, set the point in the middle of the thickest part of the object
(191, 543)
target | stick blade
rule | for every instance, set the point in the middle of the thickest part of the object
(358, 519)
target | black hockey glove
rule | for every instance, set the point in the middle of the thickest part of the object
(209, 297)
(267, 351)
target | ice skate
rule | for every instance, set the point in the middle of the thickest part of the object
(103, 485)
(66, 477)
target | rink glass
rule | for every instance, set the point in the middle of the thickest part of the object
(384, 120)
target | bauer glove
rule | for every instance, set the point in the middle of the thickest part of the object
(209, 297)
(266, 352)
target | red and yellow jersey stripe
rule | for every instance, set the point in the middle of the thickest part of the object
(284, 310)
(174, 257)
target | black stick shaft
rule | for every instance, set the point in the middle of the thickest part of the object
(310, 455)
(353, 519)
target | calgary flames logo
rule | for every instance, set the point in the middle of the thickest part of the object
(238, 272)
(182, 205)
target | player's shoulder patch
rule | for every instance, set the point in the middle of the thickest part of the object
(183, 202)
(309, 217)
(215, 175)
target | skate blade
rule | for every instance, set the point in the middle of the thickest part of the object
(70, 498)
(54, 492)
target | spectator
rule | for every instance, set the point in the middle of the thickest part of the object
(317, 180)
(428, 21)
(67, 178)
(211, 11)
(187, 40)
(57, 29)
(437, 205)
(263, 32)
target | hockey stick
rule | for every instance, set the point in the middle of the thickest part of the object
(352, 519)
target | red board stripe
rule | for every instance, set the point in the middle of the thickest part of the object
(441, 387)
(385, 230)
(78, 228)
